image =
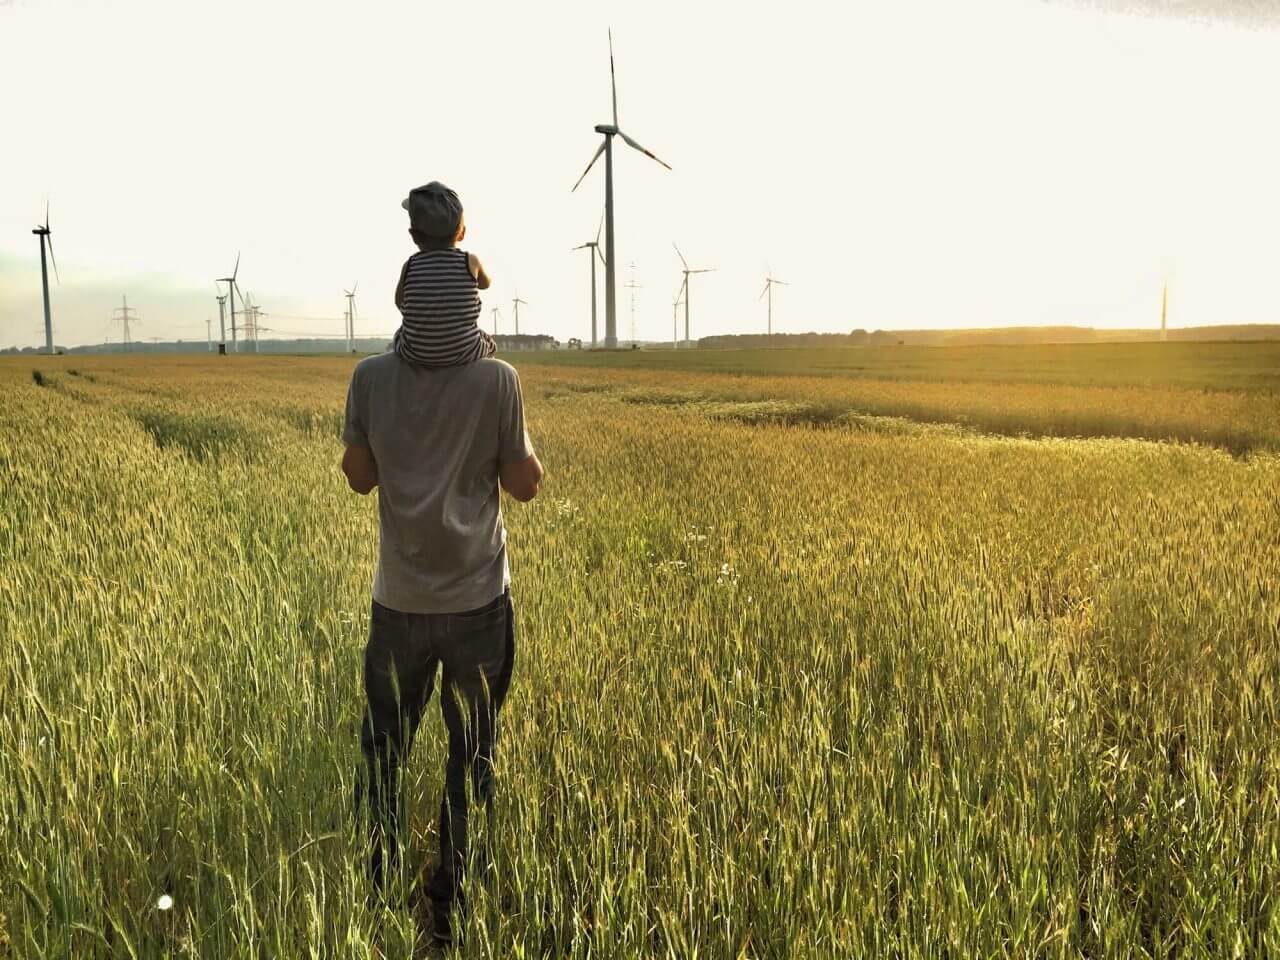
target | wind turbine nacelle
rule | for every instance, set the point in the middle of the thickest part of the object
(607, 129)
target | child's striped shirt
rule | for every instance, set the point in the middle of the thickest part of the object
(439, 312)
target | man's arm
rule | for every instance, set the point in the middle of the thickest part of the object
(357, 459)
(519, 470)
(521, 478)
(361, 469)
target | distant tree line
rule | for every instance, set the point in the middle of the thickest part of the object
(318, 345)
(857, 338)
(991, 336)
(524, 341)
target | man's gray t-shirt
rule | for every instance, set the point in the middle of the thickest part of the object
(438, 435)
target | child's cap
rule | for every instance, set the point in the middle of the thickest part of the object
(434, 210)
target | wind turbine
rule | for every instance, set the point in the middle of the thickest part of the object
(495, 311)
(351, 316)
(1164, 314)
(231, 282)
(633, 285)
(594, 247)
(610, 130)
(769, 282)
(222, 318)
(675, 322)
(45, 234)
(685, 287)
(515, 303)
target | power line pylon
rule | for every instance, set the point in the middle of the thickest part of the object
(124, 312)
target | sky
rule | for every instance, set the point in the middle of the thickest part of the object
(904, 164)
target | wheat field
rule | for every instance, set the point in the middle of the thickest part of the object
(818, 668)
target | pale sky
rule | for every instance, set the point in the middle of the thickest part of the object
(901, 164)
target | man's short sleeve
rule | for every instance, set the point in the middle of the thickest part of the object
(513, 439)
(355, 430)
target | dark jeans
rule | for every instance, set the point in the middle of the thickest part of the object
(477, 651)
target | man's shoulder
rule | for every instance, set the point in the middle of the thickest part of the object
(487, 376)
(486, 371)
(497, 369)
(379, 362)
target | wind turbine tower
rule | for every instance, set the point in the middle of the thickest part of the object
(351, 316)
(222, 321)
(124, 312)
(231, 286)
(611, 130)
(46, 236)
(633, 286)
(515, 303)
(594, 247)
(495, 311)
(1164, 313)
(769, 283)
(688, 272)
(675, 320)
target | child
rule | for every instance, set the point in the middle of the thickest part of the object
(438, 290)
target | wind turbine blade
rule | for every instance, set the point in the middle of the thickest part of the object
(783, 282)
(599, 228)
(46, 214)
(764, 291)
(236, 271)
(647, 153)
(602, 259)
(594, 158)
(52, 258)
(681, 256)
(704, 270)
(613, 79)
(355, 287)
(582, 246)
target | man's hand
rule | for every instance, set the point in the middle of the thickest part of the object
(521, 478)
(361, 470)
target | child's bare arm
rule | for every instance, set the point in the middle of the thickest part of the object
(477, 271)
(400, 287)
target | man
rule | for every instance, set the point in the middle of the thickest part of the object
(437, 443)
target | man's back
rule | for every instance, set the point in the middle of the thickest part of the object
(438, 436)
